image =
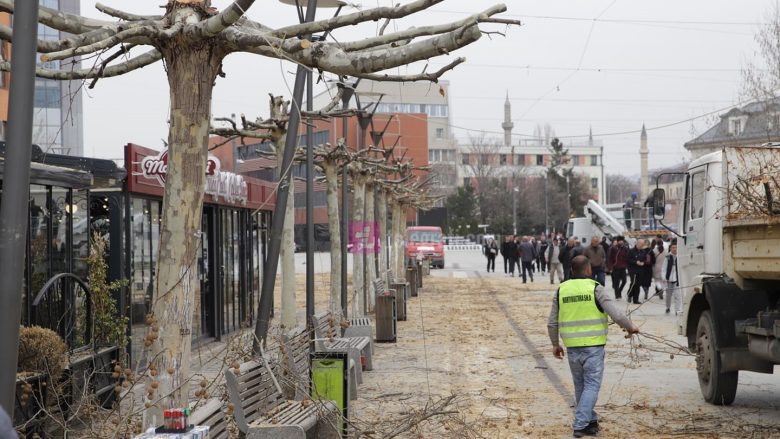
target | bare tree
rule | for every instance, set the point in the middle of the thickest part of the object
(761, 78)
(192, 38)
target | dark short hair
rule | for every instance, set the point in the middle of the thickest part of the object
(579, 264)
(620, 238)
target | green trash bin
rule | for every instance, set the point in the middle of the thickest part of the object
(411, 277)
(330, 381)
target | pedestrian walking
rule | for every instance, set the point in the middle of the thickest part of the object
(532, 240)
(658, 265)
(637, 261)
(505, 253)
(646, 273)
(491, 251)
(579, 317)
(598, 260)
(673, 292)
(542, 252)
(605, 245)
(527, 256)
(617, 262)
(553, 252)
(511, 251)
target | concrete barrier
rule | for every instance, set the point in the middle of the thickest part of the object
(464, 247)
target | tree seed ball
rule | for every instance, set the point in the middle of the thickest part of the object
(171, 371)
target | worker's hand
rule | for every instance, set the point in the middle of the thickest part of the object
(558, 352)
(631, 330)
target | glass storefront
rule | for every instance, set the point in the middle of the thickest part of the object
(229, 269)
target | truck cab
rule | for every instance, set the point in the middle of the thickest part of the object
(729, 265)
(426, 241)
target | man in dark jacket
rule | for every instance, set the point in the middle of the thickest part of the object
(569, 252)
(542, 252)
(504, 252)
(527, 256)
(640, 270)
(617, 262)
(511, 253)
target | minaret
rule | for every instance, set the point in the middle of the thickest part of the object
(507, 125)
(643, 151)
(590, 137)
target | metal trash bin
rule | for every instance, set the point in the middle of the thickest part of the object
(400, 300)
(427, 266)
(419, 276)
(386, 328)
(411, 277)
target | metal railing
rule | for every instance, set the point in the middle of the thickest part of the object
(64, 305)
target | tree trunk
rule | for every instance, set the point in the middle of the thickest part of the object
(370, 266)
(334, 226)
(400, 255)
(191, 74)
(383, 249)
(358, 257)
(287, 252)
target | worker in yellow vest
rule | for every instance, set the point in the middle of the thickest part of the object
(579, 316)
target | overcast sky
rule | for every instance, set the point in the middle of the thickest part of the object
(607, 64)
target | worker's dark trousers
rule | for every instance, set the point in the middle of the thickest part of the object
(506, 265)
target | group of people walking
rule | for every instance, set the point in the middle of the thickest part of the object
(526, 253)
(649, 263)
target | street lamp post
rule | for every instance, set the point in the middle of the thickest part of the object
(546, 217)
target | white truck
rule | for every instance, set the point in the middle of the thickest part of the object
(729, 265)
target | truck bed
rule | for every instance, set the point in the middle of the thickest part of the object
(751, 220)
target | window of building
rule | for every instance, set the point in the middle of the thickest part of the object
(439, 133)
(735, 127)
(520, 159)
(594, 160)
(574, 160)
(539, 160)
(465, 159)
(502, 159)
(594, 183)
(484, 159)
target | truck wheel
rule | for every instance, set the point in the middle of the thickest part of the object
(717, 387)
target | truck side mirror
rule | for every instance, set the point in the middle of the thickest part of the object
(659, 203)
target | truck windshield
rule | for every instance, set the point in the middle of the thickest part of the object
(424, 236)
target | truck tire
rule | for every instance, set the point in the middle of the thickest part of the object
(717, 387)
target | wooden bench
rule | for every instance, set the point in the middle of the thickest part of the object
(211, 414)
(401, 287)
(262, 412)
(297, 362)
(326, 330)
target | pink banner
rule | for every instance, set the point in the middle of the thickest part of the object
(364, 237)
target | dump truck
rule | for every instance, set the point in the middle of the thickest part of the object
(728, 237)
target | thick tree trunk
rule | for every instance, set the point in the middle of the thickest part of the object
(191, 75)
(358, 257)
(370, 266)
(383, 250)
(334, 226)
(287, 252)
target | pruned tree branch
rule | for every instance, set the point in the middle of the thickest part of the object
(62, 21)
(216, 24)
(122, 15)
(432, 77)
(412, 33)
(137, 35)
(135, 63)
(375, 14)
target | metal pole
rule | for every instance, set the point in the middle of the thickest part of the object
(277, 221)
(568, 200)
(546, 218)
(309, 202)
(16, 194)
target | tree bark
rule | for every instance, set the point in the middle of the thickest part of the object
(398, 239)
(383, 249)
(287, 253)
(370, 265)
(358, 209)
(191, 74)
(334, 226)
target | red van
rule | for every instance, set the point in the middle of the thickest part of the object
(425, 240)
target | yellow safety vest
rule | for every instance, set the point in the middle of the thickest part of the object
(580, 323)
